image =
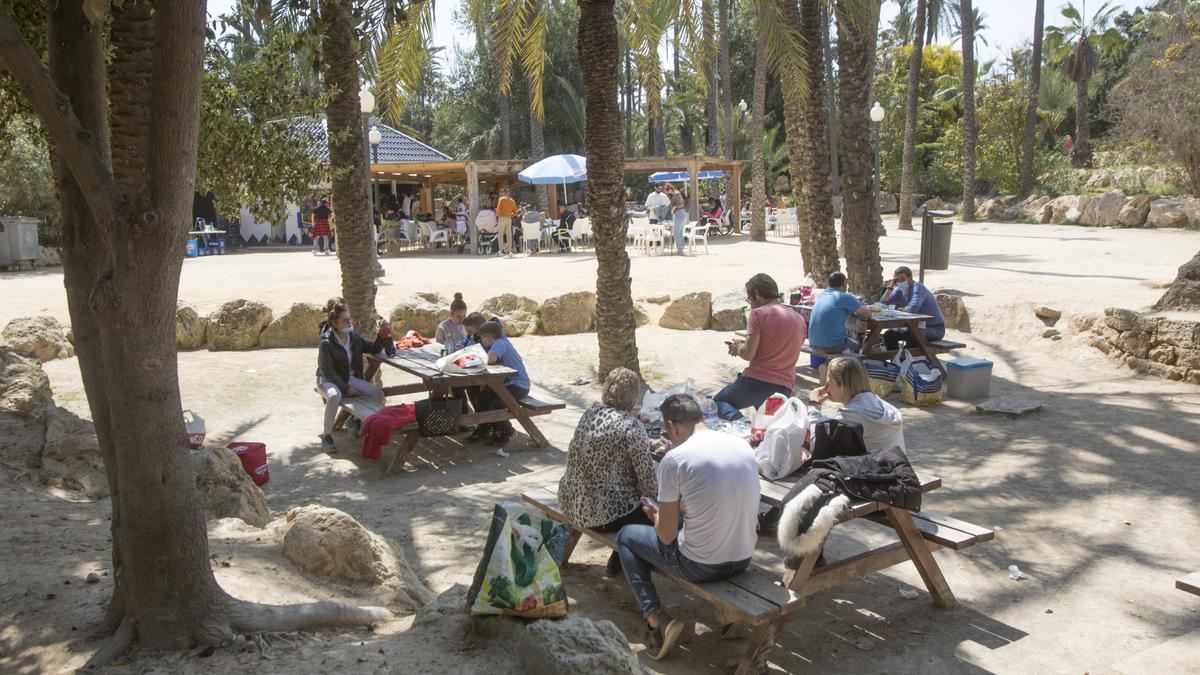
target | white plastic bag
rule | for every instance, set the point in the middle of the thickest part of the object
(766, 414)
(653, 399)
(194, 424)
(784, 445)
(467, 359)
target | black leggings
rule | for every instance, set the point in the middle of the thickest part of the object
(634, 517)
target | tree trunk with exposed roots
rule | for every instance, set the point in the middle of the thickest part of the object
(598, 59)
(758, 168)
(908, 176)
(816, 207)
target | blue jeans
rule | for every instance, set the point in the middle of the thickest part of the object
(892, 338)
(680, 219)
(641, 552)
(745, 392)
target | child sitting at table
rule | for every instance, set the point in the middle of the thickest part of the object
(451, 331)
(500, 352)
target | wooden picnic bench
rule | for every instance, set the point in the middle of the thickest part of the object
(877, 323)
(775, 586)
(420, 364)
(1189, 583)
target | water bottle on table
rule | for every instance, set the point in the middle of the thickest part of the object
(708, 409)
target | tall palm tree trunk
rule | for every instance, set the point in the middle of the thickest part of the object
(817, 205)
(793, 124)
(970, 130)
(1081, 154)
(537, 150)
(908, 178)
(628, 99)
(505, 126)
(856, 56)
(685, 125)
(1035, 90)
(758, 168)
(712, 139)
(598, 59)
(726, 94)
(347, 157)
(835, 180)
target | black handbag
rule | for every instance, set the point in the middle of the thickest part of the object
(438, 416)
(836, 438)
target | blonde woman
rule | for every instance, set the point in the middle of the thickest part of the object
(847, 383)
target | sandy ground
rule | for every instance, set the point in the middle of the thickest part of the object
(1094, 498)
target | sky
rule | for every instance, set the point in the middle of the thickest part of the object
(1008, 22)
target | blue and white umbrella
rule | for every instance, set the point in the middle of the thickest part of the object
(683, 176)
(557, 169)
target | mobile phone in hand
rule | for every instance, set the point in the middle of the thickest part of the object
(650, 502)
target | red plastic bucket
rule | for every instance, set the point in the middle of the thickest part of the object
(254, 460)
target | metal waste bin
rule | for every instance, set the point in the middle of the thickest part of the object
(935, 240)
(18, 239)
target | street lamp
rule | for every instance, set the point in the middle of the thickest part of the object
(375, 138)
(366, 105)
(877, 117)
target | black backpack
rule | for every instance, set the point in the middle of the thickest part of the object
(836, 438)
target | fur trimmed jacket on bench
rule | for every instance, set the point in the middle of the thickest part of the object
(813, 505)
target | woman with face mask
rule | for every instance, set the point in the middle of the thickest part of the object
(912, 297)
(340, 364)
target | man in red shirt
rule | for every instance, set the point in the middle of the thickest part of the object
(774, 334)
(321, 232)
(506, 210)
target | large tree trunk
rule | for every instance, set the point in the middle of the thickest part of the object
(726, 95)
(1081, 154)
(685, 125)
(835, 180)
(817, 205)
(970, 130)
(758, 168)
(598, 59)
(712, 139)
(348, 165)
(908, 178)
(505, 121)
(1031, 106)
(537, 151)
(628, 101)
(856, 56)
(793, 124)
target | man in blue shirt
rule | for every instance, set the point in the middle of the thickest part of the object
(827, 325)
(912, 297)
(500, 352)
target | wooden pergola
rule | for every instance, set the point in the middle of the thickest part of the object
(501, 173)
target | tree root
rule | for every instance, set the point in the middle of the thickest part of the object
(248, 617)
(116, 646)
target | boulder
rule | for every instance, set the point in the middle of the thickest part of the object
(729, 311)
(688, 312)
(1135, 211)
(300, 326)
(1105, 210)
(1051, 332)
(1100, 178)
(1191, 206)
(420, 314)
(569, 313)
(21, 440)
(24, 387)
(1046, 215)
(71, 454)
(954, 311)
(992, 209)
(888, 202)
(434, 297)
(48, 257)
(39, 336)
(657, 299)
(226, 489)
(640, 317)
(237, 325)
(518, 314)
(1120, 319)
(1047, 313)
(1177, 332)
(1184, 293)
(576, 645)
(191, 327)
(444, 618)
(938, 204)
(1033, 207)
(1166, 213)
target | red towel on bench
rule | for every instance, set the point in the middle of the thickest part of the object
(377, 429)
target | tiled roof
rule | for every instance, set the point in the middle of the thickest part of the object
(395, 148)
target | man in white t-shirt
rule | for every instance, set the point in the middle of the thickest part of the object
(658, 204)
(709, 481)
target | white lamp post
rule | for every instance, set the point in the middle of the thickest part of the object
(877, 117)
(366, 105)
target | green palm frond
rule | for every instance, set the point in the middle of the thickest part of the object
(648, 21)
(507, 29)
(404, 57)
(785, 47)
(533, 60)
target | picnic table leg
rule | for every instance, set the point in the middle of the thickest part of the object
(572, 541)
(339, 422)
(404, 447)
(921, 556)
(519, 413)
(927, 350)
(872, 339)
(372, 368)
(755, 659)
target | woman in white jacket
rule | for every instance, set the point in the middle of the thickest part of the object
(847, 383)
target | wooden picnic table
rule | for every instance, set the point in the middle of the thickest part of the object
(893, 318)
(1189, 583)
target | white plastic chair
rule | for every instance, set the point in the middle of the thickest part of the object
(654, 236)
(581, 231)
(639, 226)
(531, 235)
(431, 237)
(694, 231)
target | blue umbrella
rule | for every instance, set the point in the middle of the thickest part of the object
(557, 169)
(682, 176)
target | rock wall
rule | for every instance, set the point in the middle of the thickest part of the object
(1110, 209)
(1150, 343)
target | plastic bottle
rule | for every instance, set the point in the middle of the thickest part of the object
(708, 409)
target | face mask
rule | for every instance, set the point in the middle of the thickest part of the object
(902, 286)
(347, 330)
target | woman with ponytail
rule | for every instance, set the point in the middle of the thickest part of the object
(340, 364)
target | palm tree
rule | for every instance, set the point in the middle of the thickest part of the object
(758, 165)
(1072, 46)
(970, 130)
(856, 57)
(647, 23)
(726, 89)
(518, 32)
(907, 170)
(1031, 107)
(712, 139)
(599, 55)
(816, 206)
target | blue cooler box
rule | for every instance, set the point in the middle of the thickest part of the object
(191, 250)
(968, 378)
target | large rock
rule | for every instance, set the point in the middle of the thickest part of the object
(728, 311)
(1184, 293)
(570, 313)
(226, 489)
(24, 387)
(1033, 206)
(576, 645)
(419, 314)
(71, 455)
(1105, 210)
(888, 202)
(1135, 211)
(938, 204)
(331, 543)
(992, 209)
(237, 325)
(298, 327)
(640, 317)
(48, 257)
(1191, 207)
(954, 311)
(21, 441)
(39, 336)
(688, 312)
(191, 327)
(1166, 213)
(518, 314)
